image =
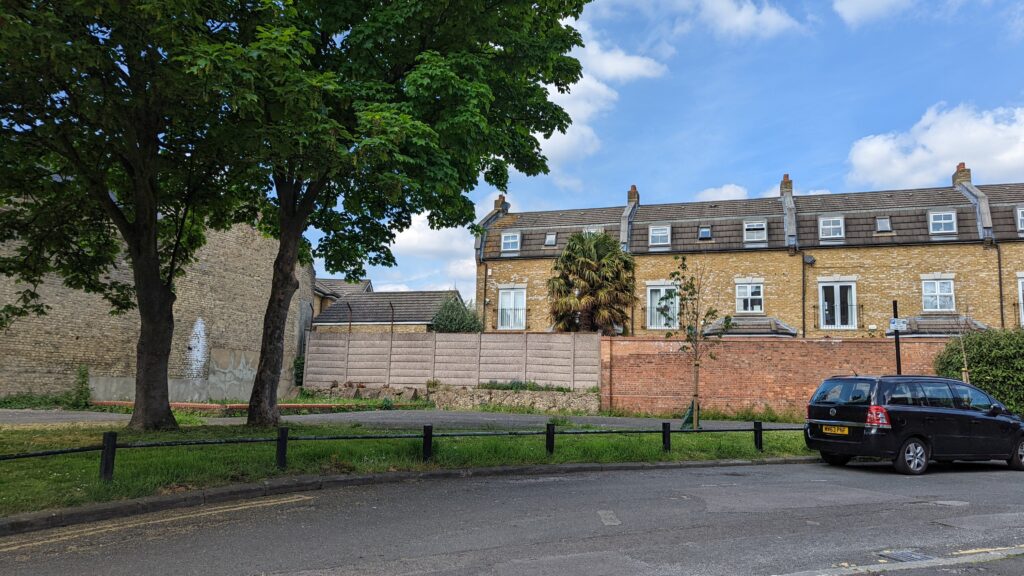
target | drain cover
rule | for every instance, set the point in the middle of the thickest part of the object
(905, 556)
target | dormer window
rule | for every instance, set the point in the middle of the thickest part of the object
(942, 222)
(755, 231)
(831, 228)
(593, 230)
(550, 239)
(659, 235)
(883, 224)
(510, 241)
(1020, 219)
(704, 233)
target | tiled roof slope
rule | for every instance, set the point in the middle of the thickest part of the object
(341, 288)
(410, 307)
(907, 211)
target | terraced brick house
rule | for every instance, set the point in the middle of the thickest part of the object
(790, 266)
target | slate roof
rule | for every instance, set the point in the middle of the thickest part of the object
(341, 288)
(907, 211)
(939, 325)
(751, 326)
(373, 307)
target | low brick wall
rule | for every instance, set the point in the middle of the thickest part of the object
(471, 398)
(650, 374)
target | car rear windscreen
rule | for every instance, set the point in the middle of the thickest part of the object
(845, 391)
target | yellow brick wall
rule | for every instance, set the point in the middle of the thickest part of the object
(883, 273)
(780, 271)
(533, 272)
(374, 328)
(1013, 264)
(888, 273)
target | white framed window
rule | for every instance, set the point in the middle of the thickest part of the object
(704, 233)
(1020, 219)
(659, 235)
(937, 296)
(883, 224)
(510, 241)
(512, 309)
(1020, 298)
(755, 231)
(749, 298)
(942, 222)
(837, 303)
(831, 228)
(550, 239)
(662, 307)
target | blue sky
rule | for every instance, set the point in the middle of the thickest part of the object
(716, 99)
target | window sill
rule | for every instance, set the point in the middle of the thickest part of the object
(509, 254)
(659, 248)
(745, 314)
(839, 328)
(938, 312)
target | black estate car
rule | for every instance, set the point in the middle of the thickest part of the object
(910, 419)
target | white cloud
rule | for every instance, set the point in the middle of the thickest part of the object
(726, 192)
(603, 63)
(391, 288)
(857, 12)
(420, 241)
(744, 18)
(991, 142)
(773, 192)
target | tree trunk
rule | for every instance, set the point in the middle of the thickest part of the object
(263, 402)
(696, 394)
(152, 409)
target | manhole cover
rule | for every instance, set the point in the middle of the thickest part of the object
(905, 556)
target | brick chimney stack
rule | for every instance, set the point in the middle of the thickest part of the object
(962, 175)
(786, 186)
(500, 204)
(633, 196)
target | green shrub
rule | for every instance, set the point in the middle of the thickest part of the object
(455, 316)
(78, 397)
(519, 385)
(298, 369)
(387, 404)
(995, 359)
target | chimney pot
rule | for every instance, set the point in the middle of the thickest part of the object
(962, 174)
(633, 195)
(786, 186)
(499, 203)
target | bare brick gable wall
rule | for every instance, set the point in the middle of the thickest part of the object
(650, 375)
(218, 323)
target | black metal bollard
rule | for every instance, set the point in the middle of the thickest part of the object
(666, 436)
(428, 443)
(759, 436)
(549, 439)
(282, 448)
(107, 456)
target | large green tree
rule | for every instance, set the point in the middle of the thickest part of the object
(366, 113)
(112, 156)
(594, 285)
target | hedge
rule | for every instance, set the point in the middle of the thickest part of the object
(995, 359)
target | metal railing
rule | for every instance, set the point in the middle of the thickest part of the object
(109, 446)
(854, 313)
(511, 319)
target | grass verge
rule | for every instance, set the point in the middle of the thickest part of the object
(58, 481)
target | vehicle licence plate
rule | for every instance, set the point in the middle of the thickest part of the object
(838, 430)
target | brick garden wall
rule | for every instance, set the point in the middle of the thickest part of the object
(650, 375)
(218, 320)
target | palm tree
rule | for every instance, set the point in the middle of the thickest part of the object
(593, 285)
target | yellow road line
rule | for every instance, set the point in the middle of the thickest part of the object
(199, 513)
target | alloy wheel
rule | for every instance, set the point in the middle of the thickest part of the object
(914, 456)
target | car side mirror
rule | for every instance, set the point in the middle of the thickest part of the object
(995, 410)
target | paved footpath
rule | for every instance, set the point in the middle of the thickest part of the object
(440, 419)
(805, 519)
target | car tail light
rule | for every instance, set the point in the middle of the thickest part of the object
(878, 417)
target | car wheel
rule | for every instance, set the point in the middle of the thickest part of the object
(833, 459)
(912, 457)
(1016, 460)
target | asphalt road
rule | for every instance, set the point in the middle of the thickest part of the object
(779, 519)
(440, 419)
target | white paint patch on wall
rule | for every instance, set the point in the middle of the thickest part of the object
(197, 351)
